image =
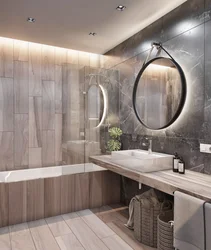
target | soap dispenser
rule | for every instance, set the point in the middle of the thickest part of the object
(175, 162)
(181, 166)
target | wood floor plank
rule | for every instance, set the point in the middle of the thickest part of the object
(69, 242)
(84, 234)
(6, 100)
(42, 236)
(127, 235)
(97, 225)
(116, 243)
(21, 238)
(35, 80)
(21, 87)
(5, 243)
(58, 226)
(7, 151)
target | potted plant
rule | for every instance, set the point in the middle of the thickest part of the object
(114, 143)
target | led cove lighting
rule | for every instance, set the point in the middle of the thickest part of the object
(121, 7)
(30, 19)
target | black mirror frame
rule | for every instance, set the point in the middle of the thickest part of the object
(183, 94)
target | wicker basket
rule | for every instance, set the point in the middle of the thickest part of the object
(145, 222)
(165, 231)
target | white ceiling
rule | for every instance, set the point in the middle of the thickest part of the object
(67, 23)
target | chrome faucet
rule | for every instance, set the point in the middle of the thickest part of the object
(149, 144)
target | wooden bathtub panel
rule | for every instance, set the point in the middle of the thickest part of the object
(35, 199)
(52, 196)
(67, 194)
(4, 205)
(17, 202)
(111, 188)
(81, 191)
(96, 190)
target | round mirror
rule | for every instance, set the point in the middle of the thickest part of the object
(159, 93)
(96, 105)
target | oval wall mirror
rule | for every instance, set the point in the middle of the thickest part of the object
(96, 104)
(159, 93)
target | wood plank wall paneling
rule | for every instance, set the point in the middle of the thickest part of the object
(6, 57)
(21, 87)
(41, 99)
(6, 103)
(7, 151)
(35, 79)
(48, 148)
(21, 141)
(41, 198)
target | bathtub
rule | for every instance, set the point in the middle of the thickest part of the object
(33, 194)
(47, 172)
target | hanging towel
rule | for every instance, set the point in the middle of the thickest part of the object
(208, 225)
(188, 222)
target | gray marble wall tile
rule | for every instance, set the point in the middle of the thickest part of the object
(58, 139)
(35, 122)
(185, 17)
(21, 87)
(207, 108)
(6, 100)
(21, 148)
(35, 157)
(48, 148)
(21, 51)
(7, 152)
(48, 108)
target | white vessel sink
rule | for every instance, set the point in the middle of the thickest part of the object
(142, 161)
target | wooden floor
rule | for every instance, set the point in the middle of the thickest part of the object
(101, 228)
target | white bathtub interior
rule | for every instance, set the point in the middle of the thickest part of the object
(48, 172)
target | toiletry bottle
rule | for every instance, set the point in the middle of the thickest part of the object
(175, 163)
(181, 166)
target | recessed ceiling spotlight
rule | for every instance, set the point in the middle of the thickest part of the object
(121, 7)
(92, 34)
(30, 19)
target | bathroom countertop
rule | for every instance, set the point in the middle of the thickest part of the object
(193, 183)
